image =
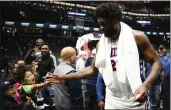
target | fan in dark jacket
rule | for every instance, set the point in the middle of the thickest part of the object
(7, 101)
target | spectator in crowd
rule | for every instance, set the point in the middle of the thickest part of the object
(93, 53)
(80, 64)
(7, 98)
(32, 68)
(100, 91)
(51, 55)
(165, 59)
(91, 84)
(166, 88)
(68, 95)
(33, 53)
(29, 87)
(45, 65)
(10, 72)
(20, 62)
(13, 72)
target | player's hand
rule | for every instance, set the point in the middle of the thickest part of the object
(141, 93)
(53, 78)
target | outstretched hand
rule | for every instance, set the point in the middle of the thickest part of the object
(141, 93)
(53, 78)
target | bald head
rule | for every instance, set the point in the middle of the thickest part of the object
(68, 54)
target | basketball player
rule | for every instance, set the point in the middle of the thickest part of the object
(109, 17)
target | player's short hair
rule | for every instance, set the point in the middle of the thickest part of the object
(108, 11)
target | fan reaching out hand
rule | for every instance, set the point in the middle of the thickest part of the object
(53, 78)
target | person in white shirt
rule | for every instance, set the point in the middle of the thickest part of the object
(93, 53)
(82, 57)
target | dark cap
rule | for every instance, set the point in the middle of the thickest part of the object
(6, 84)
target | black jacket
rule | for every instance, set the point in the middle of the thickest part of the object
(11, 104)
(45, 65)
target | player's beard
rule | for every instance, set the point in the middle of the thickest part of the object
(111, 32)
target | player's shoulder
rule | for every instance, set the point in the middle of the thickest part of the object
(139, 36)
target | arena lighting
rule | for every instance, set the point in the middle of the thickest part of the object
(161, 33)
(167, 33)
(148, 33)
(79, 6)
(96, 29)
(151, 14)
(52, 26)
(129, 12)
(79, 27)
(39, 25)
(154, 33)
(124, 12)
(76, 14)
(25, 24)
(9, 23)
(65, 27)
(144, 22)
(86, 28)
(74, 27)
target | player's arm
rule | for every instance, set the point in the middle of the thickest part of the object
(146, 48)
(87, 72)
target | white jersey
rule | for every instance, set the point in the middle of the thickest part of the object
(115, 98)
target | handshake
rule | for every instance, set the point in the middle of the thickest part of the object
(54, 78)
